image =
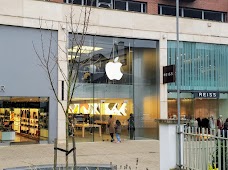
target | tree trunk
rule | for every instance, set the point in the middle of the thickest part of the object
(74, 153)
(67, 140)
(55, 154)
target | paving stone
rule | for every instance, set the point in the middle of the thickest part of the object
(122, 154)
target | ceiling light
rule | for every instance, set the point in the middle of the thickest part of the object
(71, 57)
(84, 49)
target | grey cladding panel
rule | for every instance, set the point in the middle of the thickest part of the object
(20, 72)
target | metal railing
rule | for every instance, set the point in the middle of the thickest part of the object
(205, 149)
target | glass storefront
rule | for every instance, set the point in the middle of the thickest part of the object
(118, 90)
(198, 108)
(203, 68)
(26, 117)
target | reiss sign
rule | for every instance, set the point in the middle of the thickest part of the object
(206, 95)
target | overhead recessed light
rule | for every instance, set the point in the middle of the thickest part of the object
(84, 49)
(71, 57)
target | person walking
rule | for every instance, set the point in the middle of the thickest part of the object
(225, 127)
(220, 122)
(191, 122)
(118, 131)
(211, 125)
(131, 126)
(211, 122)
(111, 127)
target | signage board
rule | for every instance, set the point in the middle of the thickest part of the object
(212, 95)
(169, 74)
(2, 88)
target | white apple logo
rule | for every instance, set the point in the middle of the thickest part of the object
(113, 71)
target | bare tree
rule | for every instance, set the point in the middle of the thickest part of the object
(77, 27)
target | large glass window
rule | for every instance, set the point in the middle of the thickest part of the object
(113, 4)
(146, 88)
(192, 13)
(194, 108)
(116, 76)
(202, 65)
(96, 53)
(28, 117)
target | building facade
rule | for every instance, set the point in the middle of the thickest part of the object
(143, 43)
(200, 9)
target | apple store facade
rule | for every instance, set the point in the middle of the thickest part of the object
(116, 76)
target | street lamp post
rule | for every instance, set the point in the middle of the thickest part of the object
(178, 83)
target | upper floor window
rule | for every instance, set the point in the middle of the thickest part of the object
(167, 10)
(113, 4)
(90, 2)
(79, 2)
(134, 6)
(192, 13)
(130, 6)
(215, 16)
(121, 5)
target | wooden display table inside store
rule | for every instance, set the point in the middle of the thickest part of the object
(104, 125)
(7, 135)
(86, 125)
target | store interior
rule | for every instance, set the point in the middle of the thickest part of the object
(23, 119)
(195, 108)
(93, 115)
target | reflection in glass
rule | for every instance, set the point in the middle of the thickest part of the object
(97, 96)
(93, 56)
(146, 89)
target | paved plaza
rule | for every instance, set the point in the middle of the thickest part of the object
(127, 152)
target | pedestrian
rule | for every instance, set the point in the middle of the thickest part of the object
(220, 122)
(191, 122)
(131, 126)
(226, 125)
(211, 122)
(118, 131)
(211, 125)
(111, 127)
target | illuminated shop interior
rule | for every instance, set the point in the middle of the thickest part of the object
(96, 112)
(195, 108)
(24, 119)
(202, 66)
